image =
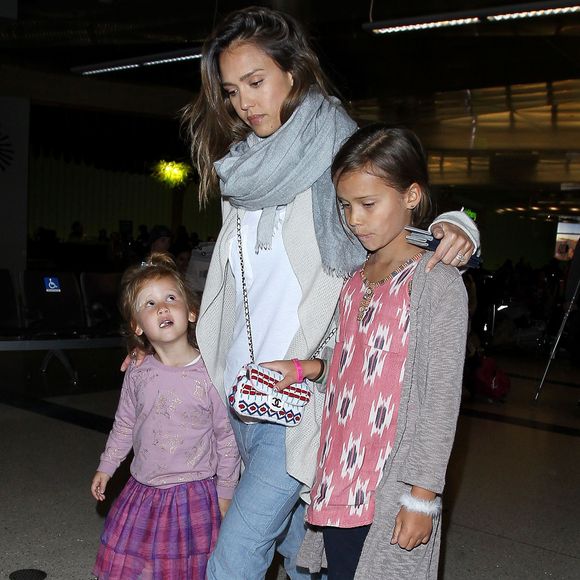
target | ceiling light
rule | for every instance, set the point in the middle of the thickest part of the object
(172, 59)
(139, 61)
(426, 25)
(534, 13)
(475, 16)
(433, 21)
(108, 69)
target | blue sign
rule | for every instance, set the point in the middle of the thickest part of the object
(51, 284)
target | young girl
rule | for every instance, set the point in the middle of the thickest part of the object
(394, 383)
(165, 523)
(263, 131)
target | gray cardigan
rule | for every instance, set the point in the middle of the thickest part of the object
(425, 428)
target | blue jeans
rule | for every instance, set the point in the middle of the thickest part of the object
(265, 513)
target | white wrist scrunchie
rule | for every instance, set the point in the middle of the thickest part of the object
(422, 506)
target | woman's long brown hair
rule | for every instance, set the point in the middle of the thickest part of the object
(210, 122)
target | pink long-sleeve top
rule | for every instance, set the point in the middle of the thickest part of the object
(177, 425)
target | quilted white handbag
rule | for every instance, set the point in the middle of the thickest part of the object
(253, 396)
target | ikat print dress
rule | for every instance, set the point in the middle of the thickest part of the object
(362, 400)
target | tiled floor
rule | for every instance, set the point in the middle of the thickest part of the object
(511, 505)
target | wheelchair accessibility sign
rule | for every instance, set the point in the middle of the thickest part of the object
(51, 284)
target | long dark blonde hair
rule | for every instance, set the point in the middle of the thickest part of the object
(158, 265)
(211, 122)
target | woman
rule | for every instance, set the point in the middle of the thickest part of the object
(265, 129)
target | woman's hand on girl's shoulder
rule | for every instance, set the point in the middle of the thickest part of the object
(136, 357)
(454, 244)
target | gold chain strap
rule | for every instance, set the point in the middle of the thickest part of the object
(246, 302)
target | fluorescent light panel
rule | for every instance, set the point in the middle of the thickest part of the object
(467, 17)
(174, 59)
(138, 62)
(109, 69)
(534, 13)
(426, 25)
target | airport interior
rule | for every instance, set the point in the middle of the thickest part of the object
(91, 98)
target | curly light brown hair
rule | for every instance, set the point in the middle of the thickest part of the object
(157, 265)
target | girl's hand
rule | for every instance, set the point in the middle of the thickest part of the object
(285, 368)
(136, 356)
(224, 505)
(454, 242)
(99, 485)
(411, 529)
(311, 369)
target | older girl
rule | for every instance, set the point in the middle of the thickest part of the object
(394, 383)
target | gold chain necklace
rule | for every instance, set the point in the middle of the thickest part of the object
(370, 286)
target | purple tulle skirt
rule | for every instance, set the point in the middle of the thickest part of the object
(159, 534)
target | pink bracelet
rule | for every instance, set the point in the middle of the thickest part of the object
(299, 370)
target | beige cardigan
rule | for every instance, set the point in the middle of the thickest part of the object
(320, 293)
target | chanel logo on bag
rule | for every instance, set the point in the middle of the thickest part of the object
(253, 396)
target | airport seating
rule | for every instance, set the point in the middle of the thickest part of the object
(52, 318)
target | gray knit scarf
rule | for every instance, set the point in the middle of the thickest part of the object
(266, 173)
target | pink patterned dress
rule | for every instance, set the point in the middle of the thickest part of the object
(362, 401)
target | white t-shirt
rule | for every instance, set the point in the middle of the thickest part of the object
(274, 295)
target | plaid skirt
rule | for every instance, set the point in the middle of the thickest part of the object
(159, 534)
